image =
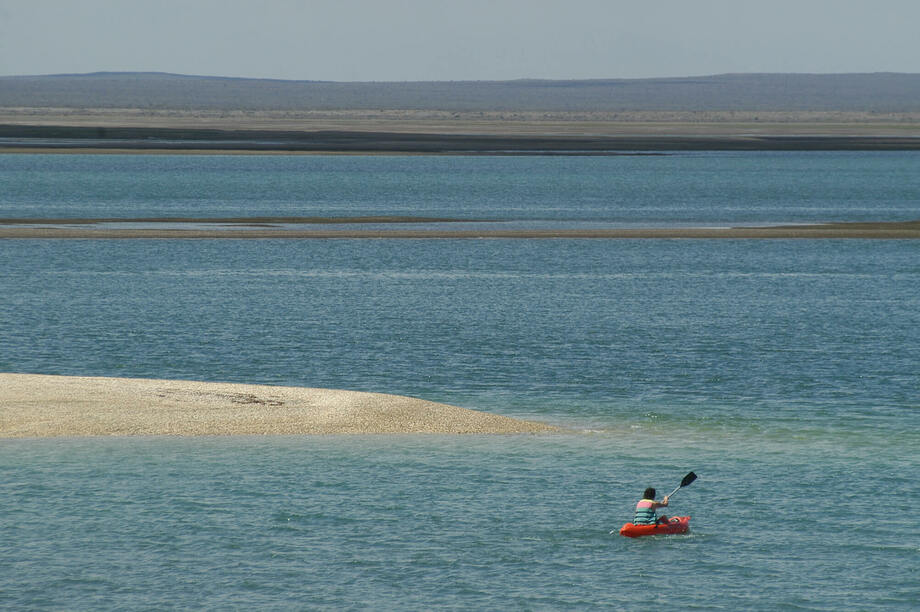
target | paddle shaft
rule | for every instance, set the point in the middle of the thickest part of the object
(689, 478)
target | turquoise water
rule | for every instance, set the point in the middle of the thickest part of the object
(784, 373)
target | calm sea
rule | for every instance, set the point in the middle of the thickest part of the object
(784, 373)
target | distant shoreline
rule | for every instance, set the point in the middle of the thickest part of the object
(102, 139)
(265, 228)
(442, 132)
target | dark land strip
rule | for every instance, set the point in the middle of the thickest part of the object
(245, 230)
(231, 220)
(151, 139)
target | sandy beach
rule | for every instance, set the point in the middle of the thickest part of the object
(34, 405)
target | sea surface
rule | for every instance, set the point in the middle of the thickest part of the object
(784, 373)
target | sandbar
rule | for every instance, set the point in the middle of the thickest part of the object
(36, 405)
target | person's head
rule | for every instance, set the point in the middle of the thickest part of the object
(649, 493)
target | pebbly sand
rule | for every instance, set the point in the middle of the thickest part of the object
(33, 405)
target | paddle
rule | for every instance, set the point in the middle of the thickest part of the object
(685, 482)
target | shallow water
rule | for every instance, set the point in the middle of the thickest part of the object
(491, 522)
(784, 373)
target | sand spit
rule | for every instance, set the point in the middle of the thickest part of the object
(33, 405)
(84, 229)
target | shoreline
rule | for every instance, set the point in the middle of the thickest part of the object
(261, 228)
(212, 142)
(45, 406)
(181, 134)
(443, 132)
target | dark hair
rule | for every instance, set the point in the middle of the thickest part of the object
(649, 493)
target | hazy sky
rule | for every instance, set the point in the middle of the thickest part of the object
(400, 40)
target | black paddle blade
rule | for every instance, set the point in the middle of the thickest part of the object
(688, 479)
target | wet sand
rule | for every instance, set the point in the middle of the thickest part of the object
(33, 405)
(261, 228)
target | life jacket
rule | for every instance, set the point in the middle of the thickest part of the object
(645, 513)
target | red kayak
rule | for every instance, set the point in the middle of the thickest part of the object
(676, 524)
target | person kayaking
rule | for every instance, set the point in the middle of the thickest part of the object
(645, 509)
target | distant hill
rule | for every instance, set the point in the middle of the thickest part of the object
(876, 92)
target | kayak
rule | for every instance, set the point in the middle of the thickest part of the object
(676, 524)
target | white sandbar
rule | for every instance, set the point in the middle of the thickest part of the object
(33, 405)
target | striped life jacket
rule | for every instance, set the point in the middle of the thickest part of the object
(645, 513)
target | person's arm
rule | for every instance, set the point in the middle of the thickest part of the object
(662, 503)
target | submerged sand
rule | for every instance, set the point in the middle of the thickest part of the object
(33, 405)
